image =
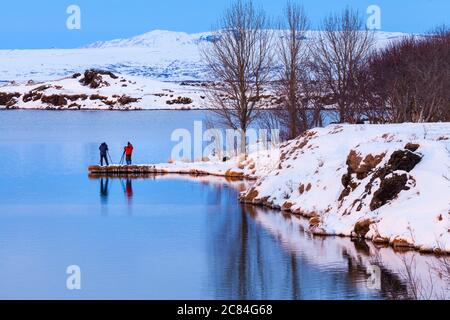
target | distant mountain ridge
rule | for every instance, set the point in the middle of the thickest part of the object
(164, 39)
(158, 54)
(155, 38)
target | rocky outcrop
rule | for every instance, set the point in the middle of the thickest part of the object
(93, 78)
(59, 95)
(180, 100)
(392, 182)
(8, 99)
(125, 100)
(362, 228)
(403, 160)
(358, 168)
(389, 189)
(55, 100)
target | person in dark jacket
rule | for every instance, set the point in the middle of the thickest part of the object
(104, 153)
(128, 150)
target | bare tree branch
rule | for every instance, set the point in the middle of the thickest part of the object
(239, 60)
(340, 52)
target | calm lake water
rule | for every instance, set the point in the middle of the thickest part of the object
(164, 237)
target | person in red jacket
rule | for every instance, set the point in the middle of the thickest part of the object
(128, 150)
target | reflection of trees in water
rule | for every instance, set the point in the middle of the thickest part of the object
(248, 262)
(392, 287)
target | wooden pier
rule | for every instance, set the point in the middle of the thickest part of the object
(140, 171)
(124, 170)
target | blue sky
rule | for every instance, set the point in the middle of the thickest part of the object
(42, 23)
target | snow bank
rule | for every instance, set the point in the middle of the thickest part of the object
(103, 91)
(386, 183)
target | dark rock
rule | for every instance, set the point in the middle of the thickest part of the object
(180, 100)
(124, 100)
(392, 184)
(97, 97)
(8, 99)
(56, 100)
(109, 103)
(31, 96)
(362, 227)
(75, 97)
(76, 75)
(346, 179)
(93, 78)
(345, 193)
(404, 160)
(41, 88)
(412, 147)
(104, 73)
(389, 189)
(74, 106)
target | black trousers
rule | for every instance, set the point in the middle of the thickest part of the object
(103, 156)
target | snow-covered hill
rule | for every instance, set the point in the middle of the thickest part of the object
(146, 63)
(162, 55)
(161, 40)
(386, 183)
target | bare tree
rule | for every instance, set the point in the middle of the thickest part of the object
(340, 52)
(293, 56)
(410, 79)
(239, 60)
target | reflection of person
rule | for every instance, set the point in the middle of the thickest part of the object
(129, 189)
(104, 188)
(128, 150)
(103, 153)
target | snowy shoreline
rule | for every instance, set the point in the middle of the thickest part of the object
(386, 183)
(103, 90)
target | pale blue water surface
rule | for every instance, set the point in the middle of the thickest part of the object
(157, 238)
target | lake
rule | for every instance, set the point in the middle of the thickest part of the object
(163, 237)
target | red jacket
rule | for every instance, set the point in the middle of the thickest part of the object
(129, 150)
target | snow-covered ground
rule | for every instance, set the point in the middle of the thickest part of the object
(161, 55)
(386, 183)
(151, 68)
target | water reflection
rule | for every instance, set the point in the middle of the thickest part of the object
(256, 253)
(104, 183)
(250, 262)
(129, 189)
(262, 254)
(165, 237)
(104, 193)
